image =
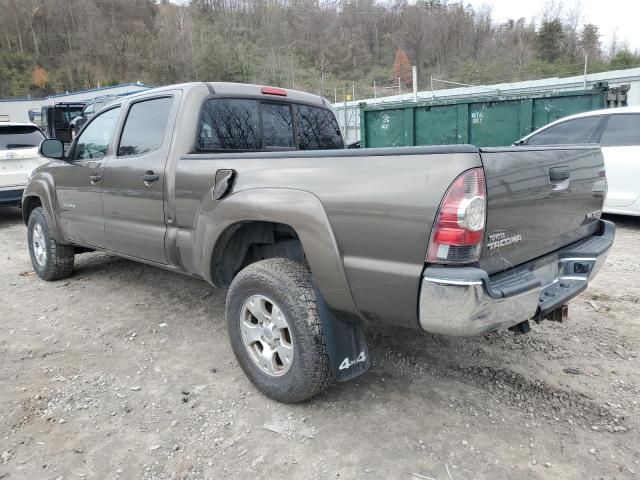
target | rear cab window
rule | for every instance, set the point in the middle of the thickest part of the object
(318, 129)
(579, 130)
(20, 136)
(277, 125)
(229, 124)
(241, 124)
(621, 130)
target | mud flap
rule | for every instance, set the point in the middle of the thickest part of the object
(346, 344)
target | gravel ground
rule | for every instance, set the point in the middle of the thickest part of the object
(124, 371)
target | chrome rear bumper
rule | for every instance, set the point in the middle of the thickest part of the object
(467, 302)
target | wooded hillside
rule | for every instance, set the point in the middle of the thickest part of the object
(320, 46)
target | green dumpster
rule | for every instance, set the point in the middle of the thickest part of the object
(486, 121)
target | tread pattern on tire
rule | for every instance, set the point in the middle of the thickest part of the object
(295, 278)
(60, 257)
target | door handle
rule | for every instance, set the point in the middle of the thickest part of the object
(224, 183)
(150, 177)
(95, 179)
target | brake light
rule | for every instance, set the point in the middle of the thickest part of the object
(458, 231)
(274, 91)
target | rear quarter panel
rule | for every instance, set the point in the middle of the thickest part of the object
(380, 204)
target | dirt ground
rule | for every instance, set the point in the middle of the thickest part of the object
(124, 371)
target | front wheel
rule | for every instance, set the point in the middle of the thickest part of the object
(51, 260)
(275, 331)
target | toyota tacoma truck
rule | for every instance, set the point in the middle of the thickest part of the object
(251, 189)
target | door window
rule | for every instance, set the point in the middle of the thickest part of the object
(318, 129)
(277, 125)
(144, 128)
(621, 130)
(569, 132)
(94, 141)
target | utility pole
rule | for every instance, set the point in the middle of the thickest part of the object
(344, 96)
(433, 95)
(414, 71)
(375, 93)
(335, 95)
(585, 70)
(400, 87)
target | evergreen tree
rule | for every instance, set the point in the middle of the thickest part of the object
(590, 42)
(549, 40)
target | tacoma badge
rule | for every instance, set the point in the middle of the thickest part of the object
(498, 240)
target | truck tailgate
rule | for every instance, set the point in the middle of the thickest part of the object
(539, 199)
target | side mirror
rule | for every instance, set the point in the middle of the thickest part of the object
(52, 148)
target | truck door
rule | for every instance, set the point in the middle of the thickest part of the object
(79, 181)
(134, 180)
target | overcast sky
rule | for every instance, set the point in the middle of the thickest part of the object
(609, 15)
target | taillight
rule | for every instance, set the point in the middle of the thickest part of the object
(458, 231)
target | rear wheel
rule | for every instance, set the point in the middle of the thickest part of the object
(275, 331)
(51, 260)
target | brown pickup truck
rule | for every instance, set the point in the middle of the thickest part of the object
(251, 189)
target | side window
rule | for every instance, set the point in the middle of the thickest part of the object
(318, 129)
(277, 126)
(229, 124)
(569, 132)
(94, 141)
(144, 128)
(621, 130)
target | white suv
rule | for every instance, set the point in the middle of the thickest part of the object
(617, 130)
(18, 157)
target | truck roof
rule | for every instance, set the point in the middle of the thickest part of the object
(230, 88)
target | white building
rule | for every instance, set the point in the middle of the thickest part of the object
(17, 109)
(349, 116)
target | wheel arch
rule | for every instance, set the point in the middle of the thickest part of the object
(244, 217)
(28, 205)
(38, 194)
(244, 243)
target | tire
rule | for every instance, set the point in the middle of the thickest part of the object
(287, 285)
(51, 260)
